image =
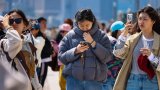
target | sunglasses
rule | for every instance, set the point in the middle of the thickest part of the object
(16, 20)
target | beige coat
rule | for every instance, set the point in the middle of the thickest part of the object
(121, 81)
(13, 44)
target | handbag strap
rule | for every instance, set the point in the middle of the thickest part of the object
(6, 53)
(8, 57)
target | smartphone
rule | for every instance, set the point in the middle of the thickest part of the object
(130, 17)
(84, 43)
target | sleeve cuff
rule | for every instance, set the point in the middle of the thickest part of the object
(122, 38)
(151, 57)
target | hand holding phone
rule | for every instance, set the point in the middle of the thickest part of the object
(81, 47)
(84, 43)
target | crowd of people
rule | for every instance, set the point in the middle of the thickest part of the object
(88, 56)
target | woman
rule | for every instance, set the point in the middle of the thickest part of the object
(84, 51)
(140, 52)
(115, 64)
(64, 29)
(38, 41)
(11, 44)
(47, 51)
(19, 22)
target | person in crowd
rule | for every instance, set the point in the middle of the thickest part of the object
(116, 29)
(102, 26)
(18, 21)
(46, 53)
(69, 21)
(115, 64)
(43, 24)
(59, 36)
(38, 41)
(11, 44)
(84, 51)
(140, 53)
(64, 29)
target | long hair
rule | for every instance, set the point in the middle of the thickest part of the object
(153, 14)
(20, 12)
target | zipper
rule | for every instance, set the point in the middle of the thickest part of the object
(82, 61)
(82, 58)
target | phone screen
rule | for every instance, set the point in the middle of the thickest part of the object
(129, 18)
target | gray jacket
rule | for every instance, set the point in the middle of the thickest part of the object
(94, 66)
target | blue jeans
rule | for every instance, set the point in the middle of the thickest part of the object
(108, 85)
(74, 84)
(141, 82)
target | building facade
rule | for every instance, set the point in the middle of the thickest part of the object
(57, 10)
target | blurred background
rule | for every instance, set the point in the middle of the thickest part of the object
(57, 10)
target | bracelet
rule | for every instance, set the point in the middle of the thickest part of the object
(92, 42)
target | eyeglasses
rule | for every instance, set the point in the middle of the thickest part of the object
(16, 20)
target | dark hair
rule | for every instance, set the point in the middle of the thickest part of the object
(85, 14)
(20, 12)
(135, 28)
(69, 21)
(153, 14)
(108, 28)
(41, 34)
(103, 24)
(41, 19)
(114, 33)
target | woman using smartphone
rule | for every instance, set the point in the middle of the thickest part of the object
(140, 53)
(85, 64)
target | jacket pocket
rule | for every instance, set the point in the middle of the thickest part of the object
(67, 70)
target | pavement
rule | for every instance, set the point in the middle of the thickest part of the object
(52, 80)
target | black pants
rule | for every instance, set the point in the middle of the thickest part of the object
(42, 72)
